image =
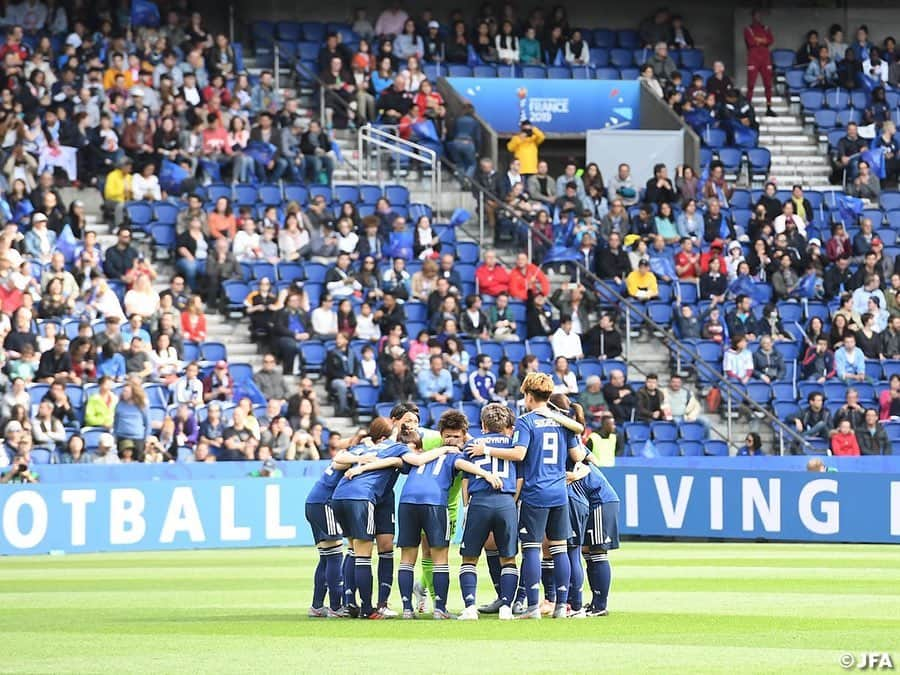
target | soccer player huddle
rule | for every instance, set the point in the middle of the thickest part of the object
(525, 482)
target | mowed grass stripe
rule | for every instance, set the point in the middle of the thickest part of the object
(465, 654)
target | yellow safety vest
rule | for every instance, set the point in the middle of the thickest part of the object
(604, 449)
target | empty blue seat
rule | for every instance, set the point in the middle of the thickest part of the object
(837, 99)
(714, 138)
(664, 431)
(605, 73)
(213, 351)
(691, 59)
(782, 59)
(637, 432)
(716, 448)
(620, 58)
(731, 158)
(535, 72)
(246, 195)
(313, 356)
(812, 100)
(397, 195)
(692, 431)
(492, 349)
(459, 70)
(691, 448)
(296, 193)
(484, 70)
(825, 119)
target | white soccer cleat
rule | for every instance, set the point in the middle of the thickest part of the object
(408, 614)
(387, 612)
(317, 613)
(441, 615)
(419, 595)
(578, 614)
(469, 614)
(505, 613)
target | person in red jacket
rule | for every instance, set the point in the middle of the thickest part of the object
(527, 277)
(758, 39)
(491, 276)
(843, 442)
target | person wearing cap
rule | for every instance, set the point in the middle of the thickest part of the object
(105, 453)
(40, 240)
(641, 283)
(433, 43)
(524, 147)
(269, 469)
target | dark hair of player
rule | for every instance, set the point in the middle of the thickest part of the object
(453, 419)
(401, 409)
(572, 409)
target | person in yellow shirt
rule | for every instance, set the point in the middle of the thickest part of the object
(118, 67)
(641, 283)
(117, 190)
(524, 146)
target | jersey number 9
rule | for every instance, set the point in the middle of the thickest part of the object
(551, 449)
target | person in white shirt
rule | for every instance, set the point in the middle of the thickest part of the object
(565, 341)
(368, 366)
(348, 240)
(188, 388)
(145, 185)
(246, 242)
(324, 319)
(780, 224)
(366, 328)
(507, 44)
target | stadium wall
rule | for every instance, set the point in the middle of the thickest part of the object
(234, 510)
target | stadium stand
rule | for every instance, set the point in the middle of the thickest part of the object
(246, 300)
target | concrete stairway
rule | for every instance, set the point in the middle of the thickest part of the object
(796, 156)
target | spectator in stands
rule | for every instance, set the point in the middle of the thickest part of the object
(848, 151)
(741, 320)
(738, 361)
(815, 420)
(679, 403)
(323, 319)
(491, 276)
(641, 283)
(603, 341)
(465, 140)
(473, 322)
(399, 383)
(862, 295)
(565, 341)
(849, 362)
(507, 45)
(836, 45)
(843, 441)
(524, 147)
(291, 326)
(318, 157)
(435, 383)
(758, 39)
(890, 339)
(538, 317)
(501, 323)
(576, 51)
(46, 430)
(785, 279)
(390, 314)
(619, 397)
(391, 21)
(874, 69)
(621, 187)
(564, 380)
(648, 77)
(394, 102)
(809, 49)
(131, 424)
(752, 446)
(851, 411)
(872, 437)
(768, 364)
(662, 64)
(397, 281)
(483, 382)
(525, 278)
(650, 400)
(866, 184)
(821, 71)
(341, 366)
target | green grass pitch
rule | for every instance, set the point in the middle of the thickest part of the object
(675, 607)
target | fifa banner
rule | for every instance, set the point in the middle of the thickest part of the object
(556, 106)
(243, 512)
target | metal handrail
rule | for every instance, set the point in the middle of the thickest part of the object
(727, 387)
(381, 139)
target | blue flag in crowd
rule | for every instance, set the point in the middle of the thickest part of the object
(460, 217)
(875, 159)
(171, 176)
(850, 208)
(144, 13)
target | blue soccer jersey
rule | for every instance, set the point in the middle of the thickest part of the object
(596, 488)
(483, 385)
(429, 483)
(547, 446)
(323, 489)
(371, 485)
(506, 470)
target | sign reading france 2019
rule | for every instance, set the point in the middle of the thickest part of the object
(556, 106)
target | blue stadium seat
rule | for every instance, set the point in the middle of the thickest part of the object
(825, 119)
(621, 58)
(890, 201)
(660, 313)
(606, 73)
(264, 270)
(246, 195)
(216, 190)
(459, 70)
(314, 31)
(837, 99)
(515, 351)
(790, 312)
(140, 215)
(397, 195)
(628, 39)
(288, 30)
(667, 448)
(782, 59)
(313, 356)
(346, 193)
(604, 37)
(269, 195)
(589, 367)
(783, 392)
(535, 72)
(664, 431)
(542, 350)
(716, 448)
(714, 138)
(290, 271)
(484, 70)
(366, 398)
(492, 349)
(691, 448)
(315, 272)
(691, 59)
(761, 392)
(812, 100)
(296, 193)
(794, 79)
(731, 158)
(692, 431)
(859, 100)
(760, 160)
(845, 117)
(637, 432)
(213, 351)
(599, 57)
(629, 73)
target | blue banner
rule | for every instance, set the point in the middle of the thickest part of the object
(555, 106)
(251, 512)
